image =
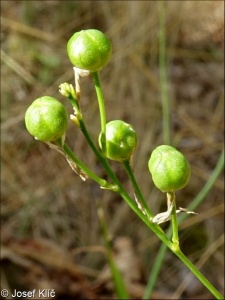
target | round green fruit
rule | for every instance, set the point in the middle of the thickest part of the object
(46, 119)
(121, 140)
(169, 168)
(89, 50)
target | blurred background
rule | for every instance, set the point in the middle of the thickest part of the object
(50, 233)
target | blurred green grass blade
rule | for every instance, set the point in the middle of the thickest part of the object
(118, 281)
(163, 74)
(195, 203)
(117, 278)
(207, 187)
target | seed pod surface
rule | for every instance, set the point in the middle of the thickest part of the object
(121, 140)
(89, 50)
(169, 168)
(46, 119)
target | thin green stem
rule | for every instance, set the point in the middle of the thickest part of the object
(117, 277)
(101, 104)
(83, 167)
(146, 220)
(155, 228)
(116, 274)
(175, 237)
(154, 273)
(104, 161)
(74, 102)
(199, 275)
(195, 203)
(163, 74)
(140, 198)
(207, 187)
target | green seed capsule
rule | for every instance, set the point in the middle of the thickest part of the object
(169, 168)
(121, 140)
(46, 119)
(89, 50)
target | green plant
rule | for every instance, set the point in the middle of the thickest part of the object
(169, 168)
(89, 50)
(117, 141)
(121, 140)
(46, 119)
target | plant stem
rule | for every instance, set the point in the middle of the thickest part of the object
(155, 228)
(175, 237)
(155, 271)
(101, 104)
(163, 75)
(199, 275)
(143, 205)
(195, 203)
(82, 166)
(207, 187)
(116, 274)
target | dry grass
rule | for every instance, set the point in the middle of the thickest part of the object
(44, 202)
